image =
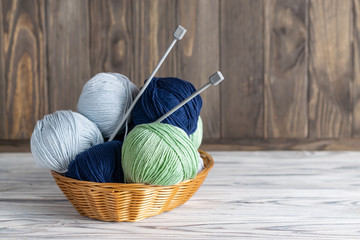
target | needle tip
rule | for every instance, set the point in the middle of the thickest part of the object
(179, 32)
(216, 78)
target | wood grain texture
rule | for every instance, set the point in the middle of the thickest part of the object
(247, 195)
(291, 66)
(68, 51)
(2, 78)
(15, 145)
(24, 91)
(286, 84)
(111, 45)
(356, 89)
(346, 144)
(241, 61)
(153, 24)
(330, 68)
(199, 56)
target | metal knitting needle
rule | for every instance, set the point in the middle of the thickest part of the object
(214, 79)
(178, 35)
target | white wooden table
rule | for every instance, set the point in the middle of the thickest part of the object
(247, 195)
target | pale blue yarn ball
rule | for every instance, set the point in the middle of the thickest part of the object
(105, 99)
(200, 164)
(197, 136)
(60, 136)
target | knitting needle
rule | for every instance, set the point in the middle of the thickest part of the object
(214, 79)
(178, 35)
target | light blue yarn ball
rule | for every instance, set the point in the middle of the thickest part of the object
(197, 136)
(196, 139)
(60, 136)
(105, 99)
(200, 164)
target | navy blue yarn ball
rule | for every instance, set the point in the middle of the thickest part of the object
(100, 163)
(161, 96)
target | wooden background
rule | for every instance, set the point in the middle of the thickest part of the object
(291, 66)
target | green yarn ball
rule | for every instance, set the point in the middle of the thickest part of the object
(158, 154)
(197, 136)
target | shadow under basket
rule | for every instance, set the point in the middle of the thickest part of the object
(129, 202)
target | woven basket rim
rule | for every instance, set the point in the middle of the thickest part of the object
(208, 164)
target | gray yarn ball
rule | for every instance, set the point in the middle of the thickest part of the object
(105, 99)
(200, 164)
(60, 136)
(197, 136)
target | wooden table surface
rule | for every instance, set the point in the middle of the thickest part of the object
(247, 195)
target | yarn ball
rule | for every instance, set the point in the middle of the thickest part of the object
(200, 164)
(100, 163)
(60, 136)
(158, 154)
(104, 100)
(163, 94)
(197, 136)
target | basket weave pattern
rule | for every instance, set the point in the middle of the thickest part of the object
(129, 202)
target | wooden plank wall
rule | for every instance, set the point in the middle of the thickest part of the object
(291, 66)
(23, 71)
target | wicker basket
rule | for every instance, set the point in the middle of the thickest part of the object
(129, 202)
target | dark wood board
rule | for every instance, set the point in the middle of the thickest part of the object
(356, 57)
(22, 145)
(25, 88)
(241, 61)
(291, 67)
(111, 32)
(286, 83)
(199, 56)
(153, 24)
(346, 144)
(68, 51)
(2, 78)
(330, 68)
